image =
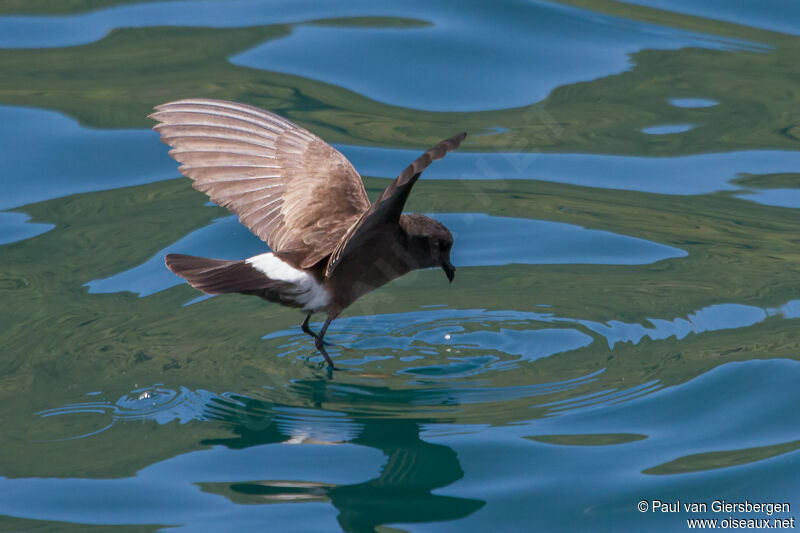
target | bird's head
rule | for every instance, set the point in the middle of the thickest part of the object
(429, 242)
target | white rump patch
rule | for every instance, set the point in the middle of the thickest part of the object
(308, 293)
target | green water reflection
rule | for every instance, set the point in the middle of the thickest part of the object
(241, 362)
(412, 470)
(58, 338)
(754, 89)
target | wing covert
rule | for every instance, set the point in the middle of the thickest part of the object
(288, 186)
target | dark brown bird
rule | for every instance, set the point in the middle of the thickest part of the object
(306, 201)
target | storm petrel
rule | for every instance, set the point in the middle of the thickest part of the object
(329, 245)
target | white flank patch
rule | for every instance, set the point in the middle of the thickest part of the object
(308, 293)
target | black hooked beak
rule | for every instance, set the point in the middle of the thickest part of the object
(450, 270)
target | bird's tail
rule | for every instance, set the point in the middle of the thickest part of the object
(218, 276)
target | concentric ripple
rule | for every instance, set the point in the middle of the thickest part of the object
(157, 403)
(424, 364)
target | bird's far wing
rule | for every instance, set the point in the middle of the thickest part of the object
(291, 188)
(389, 205)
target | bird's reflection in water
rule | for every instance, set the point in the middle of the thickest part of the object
(400, 493)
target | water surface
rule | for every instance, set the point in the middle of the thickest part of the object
(623, 322)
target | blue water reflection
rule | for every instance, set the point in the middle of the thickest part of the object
(83, 160)
(731, 395)
(693, 102)
(555, 410)
(715, 317)
(774, 15)
(688, 174)
(776, 197)
(704, 415)
(540, 47)
(666, 129)
(485, 240)
(54, 156)
(16, 227)
(482, 240)
(166, 492)
(60, 31)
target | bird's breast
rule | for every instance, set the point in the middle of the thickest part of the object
(361, 273)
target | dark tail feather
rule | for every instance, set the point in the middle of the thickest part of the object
(218, 276)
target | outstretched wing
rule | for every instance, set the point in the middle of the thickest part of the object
(389, 205)
(291, 188)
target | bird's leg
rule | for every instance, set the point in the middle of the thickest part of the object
(320, 343)
(307, 329)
